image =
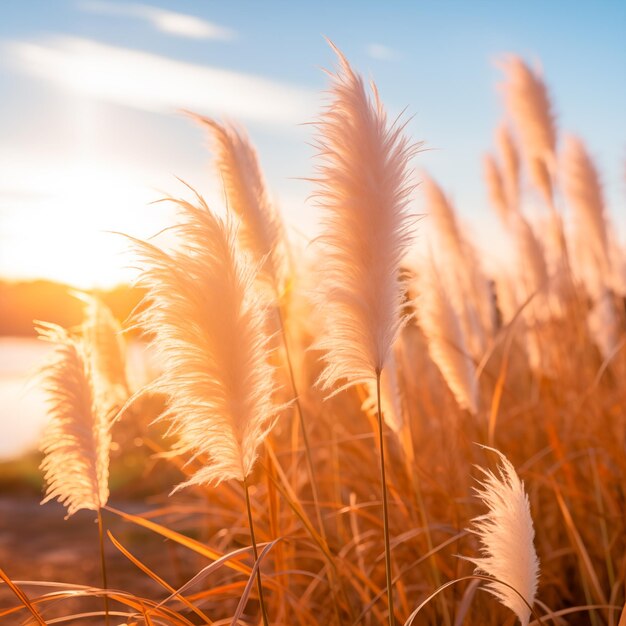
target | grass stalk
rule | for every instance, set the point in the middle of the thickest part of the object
(410, 458)
(307, 452)
(104, 568)
(305, 437)
(383, 481)
(255, 552)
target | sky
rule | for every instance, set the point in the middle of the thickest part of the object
(91, 93)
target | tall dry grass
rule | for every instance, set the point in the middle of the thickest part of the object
(530, 362)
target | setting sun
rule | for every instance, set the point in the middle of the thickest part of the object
(68, 232)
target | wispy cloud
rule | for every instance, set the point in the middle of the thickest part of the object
(170, 22)
(154, 83)
(382, 52)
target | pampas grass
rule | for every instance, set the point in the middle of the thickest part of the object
(261, 230)
(363, 191)
(445, 339)
(583, 192)
(506, 535)
(529, 108)
(495, 187)
(391, 401)
(550, 366)
(460, 269)
(209, 325)
(102, 332)
(509, 157)
(77, 440)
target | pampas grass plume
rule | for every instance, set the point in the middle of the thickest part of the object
(528, 104)
(495, 187)
(77, 440)
(210, 327)
(584, 194)
(102, 333)
(261, 231)
(510, 164)
(506, 535)
(458, 261)
(446, 343)
(363, 191)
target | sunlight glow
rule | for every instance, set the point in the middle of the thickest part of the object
(67, 230)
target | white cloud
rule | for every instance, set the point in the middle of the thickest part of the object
(154, 83)
(381, 52)
(170, 22)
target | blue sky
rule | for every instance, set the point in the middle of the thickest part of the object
(90, 134)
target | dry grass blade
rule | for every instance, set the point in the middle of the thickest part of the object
(246, 592)
(187, 542)
(146, 570)
(487, 579)
(22, 597)
(580, 546)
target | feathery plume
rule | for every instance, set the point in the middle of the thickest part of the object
(510, 165)
(363, 190)
(77, 440)
(604, 324)
(506, 534)
(102, 334)
(495, 187)
(530, 259)
(584, 194)
(442, 214)
(528, 104)
(261, 232)
(468, 290)
(446, 343)
(209, 326)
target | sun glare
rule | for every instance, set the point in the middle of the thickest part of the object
(76, 210)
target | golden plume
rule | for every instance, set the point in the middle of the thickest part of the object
(77, 440)
(261, 231)
(208, 324)
(506, 535)
(363, 190)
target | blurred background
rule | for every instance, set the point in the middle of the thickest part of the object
(92, 130)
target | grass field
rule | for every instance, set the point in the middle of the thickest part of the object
(326, 415)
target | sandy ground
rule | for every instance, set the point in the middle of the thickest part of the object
(38, 544)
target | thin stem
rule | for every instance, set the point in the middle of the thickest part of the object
(104, 569)
(305, 437)
(424, 520)
(309, 459)
(383, 480)
(255, 552)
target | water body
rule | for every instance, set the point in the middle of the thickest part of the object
(22, 402)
